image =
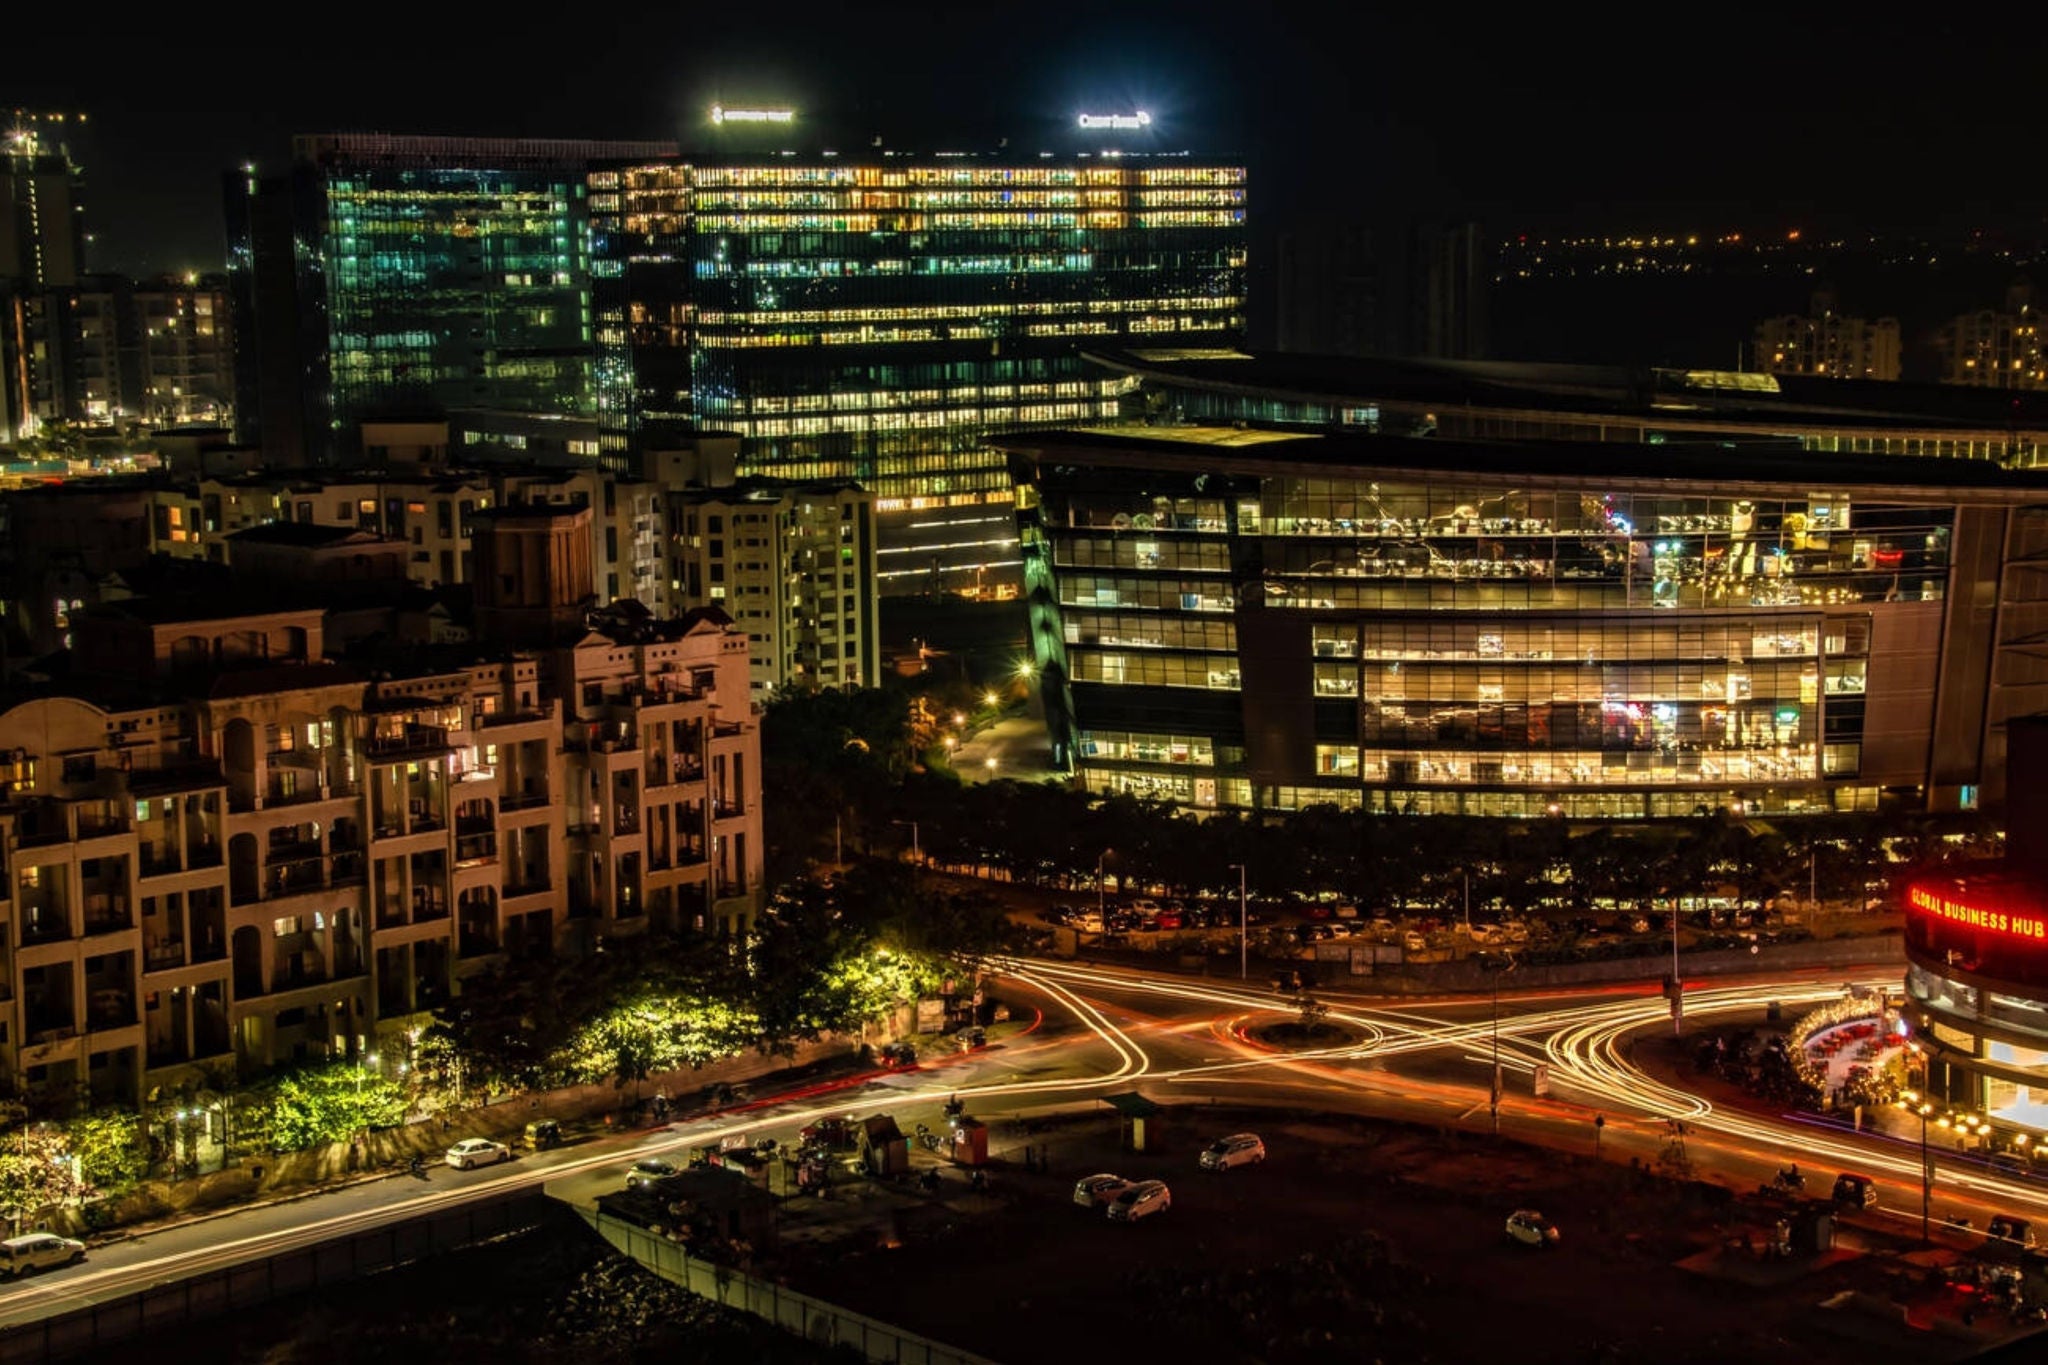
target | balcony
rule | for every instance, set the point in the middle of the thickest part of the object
(163, 956)
(349, 869)
(110, 1009)
(100, 824)
(425, 908)
(525, 716)
(48, 928)
(727, 810)
(413, 739)
(175, 775)
(160, 860)
(522, 800)
(476, 848)
(107, 913)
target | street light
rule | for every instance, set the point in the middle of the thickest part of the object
(1243, 931)
(1101, 902)
(916, 853)
(990, 764)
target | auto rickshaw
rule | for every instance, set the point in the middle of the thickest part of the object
(1855, 1191)
(543, 1135)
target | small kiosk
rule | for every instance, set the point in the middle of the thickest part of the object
(1136, 1117)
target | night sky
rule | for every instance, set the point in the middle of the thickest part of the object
(1541, 117)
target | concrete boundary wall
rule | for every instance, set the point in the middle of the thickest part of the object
(799, 1314)
(97, 1327)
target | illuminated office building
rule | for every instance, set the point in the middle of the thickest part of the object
(1228, 616)
(388, 276)
(876, 318)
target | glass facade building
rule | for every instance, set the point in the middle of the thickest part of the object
(427, 275)
(1232, 617)
(877, 319)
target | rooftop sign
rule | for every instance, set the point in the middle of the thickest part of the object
(1131, 122)
(721, 114)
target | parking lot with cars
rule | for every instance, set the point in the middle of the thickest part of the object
(1371, 1240)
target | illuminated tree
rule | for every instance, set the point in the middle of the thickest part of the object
(37, 1171)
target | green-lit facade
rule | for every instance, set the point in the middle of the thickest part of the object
(426, 275)
(877, 319)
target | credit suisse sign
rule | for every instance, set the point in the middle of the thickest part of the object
(1990, 919)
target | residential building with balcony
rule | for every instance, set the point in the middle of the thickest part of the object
(224, 844)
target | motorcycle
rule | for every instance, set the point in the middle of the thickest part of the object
(1789, 1178)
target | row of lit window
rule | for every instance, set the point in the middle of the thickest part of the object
(920, 222)
(944, 312)
(910, 398)
(1495, 594)
(975, 418)
(1103, 260)
(917, 176)
(1547, 768)
(1592, 641)
(1135, 630)
(787, 201)
(1217, 672)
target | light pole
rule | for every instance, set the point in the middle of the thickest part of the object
(916, 853)
(1677, 982)
(1243, 926)
(1101, 902)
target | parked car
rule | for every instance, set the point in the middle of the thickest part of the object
(1412, 942)
(836, 1132)
(1516, 931)
(543, 1135)
(650, 1171)
(1093, 1191)
(477, 1151)
(1169, 919)
(1383, 928)
(1345, 911)
(2009, 1228)
(1141, 1200)
(1239, 1149)
(1316, 910)
(38, 1251)
(1531, 1228)
(1144, 905)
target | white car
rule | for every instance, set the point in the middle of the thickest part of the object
(1384, 928)
(1096, 1190)
(1412, 942)
(38, 1251)
(1516, 931)
(1531, 1228)
(650, 1171)
(477, 1152)
(1239, 1149)
(1144, 906)
(1141, 1200)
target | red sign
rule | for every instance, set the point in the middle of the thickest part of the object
(1985, 917)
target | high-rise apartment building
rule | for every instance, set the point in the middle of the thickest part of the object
(1996, 350)
(793, 565)
(874, 317)
(42, 249)
(387, 276)
(1825, 343)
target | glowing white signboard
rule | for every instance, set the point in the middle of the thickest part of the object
(721, 114)
(1141, 119)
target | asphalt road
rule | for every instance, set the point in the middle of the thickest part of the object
(1179, 1038)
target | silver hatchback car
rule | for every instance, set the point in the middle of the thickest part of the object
(1239, 1149)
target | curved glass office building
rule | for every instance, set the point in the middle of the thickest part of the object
(1229, 616)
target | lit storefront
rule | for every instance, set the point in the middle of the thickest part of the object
(1977, 992)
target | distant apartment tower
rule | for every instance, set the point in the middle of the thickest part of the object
(1823, 342)
(158, 353)
(2002, 350)
(793, 565)
(874, 317)
(42, 249)
(385, 276)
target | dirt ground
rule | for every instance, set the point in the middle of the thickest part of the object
(1356, 1241)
